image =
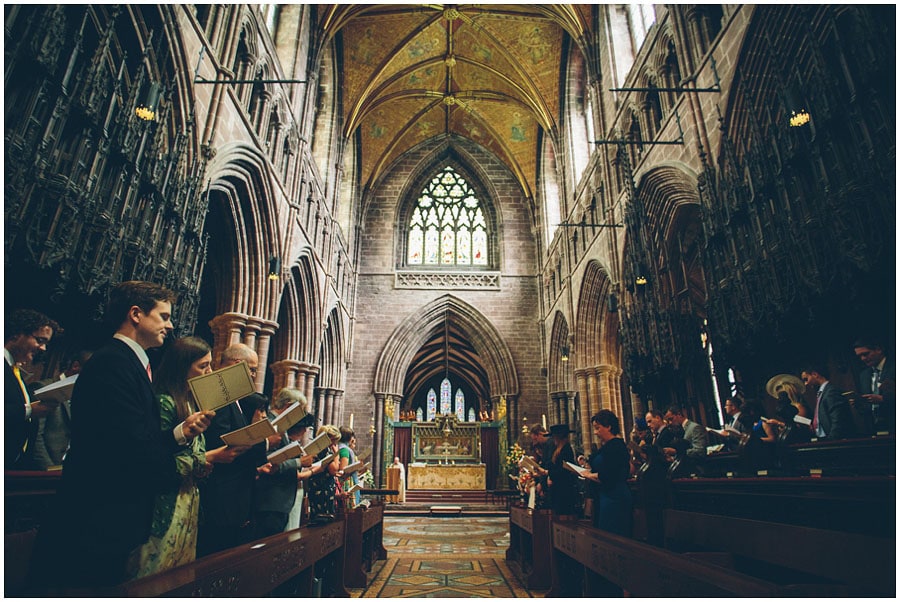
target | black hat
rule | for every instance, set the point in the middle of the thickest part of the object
(559, 430)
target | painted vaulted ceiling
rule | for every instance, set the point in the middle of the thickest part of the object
(490, 73)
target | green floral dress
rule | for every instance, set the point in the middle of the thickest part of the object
(173, 534)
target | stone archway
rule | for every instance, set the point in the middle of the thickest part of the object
(414, 332)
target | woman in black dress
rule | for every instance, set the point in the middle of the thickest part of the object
(562, 483)
(609, 475)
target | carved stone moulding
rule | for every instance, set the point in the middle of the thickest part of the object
(447, 280)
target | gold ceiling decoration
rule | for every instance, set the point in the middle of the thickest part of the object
(490, 73)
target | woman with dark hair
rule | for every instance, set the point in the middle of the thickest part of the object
(173, 534)
(609, 475)
(562, 484)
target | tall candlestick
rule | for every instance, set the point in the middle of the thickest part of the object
(351, 421)
(544, 421)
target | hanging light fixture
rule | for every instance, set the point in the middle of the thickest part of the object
(564, 353)
(274, 268)
(146, 108)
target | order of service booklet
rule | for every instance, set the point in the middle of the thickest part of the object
(293, 414)
(315, 447)
(283, 454)
(250, 434)
(222, 387)
(355, 467)
(57, 392)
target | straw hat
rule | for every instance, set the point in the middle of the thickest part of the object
(777, 383)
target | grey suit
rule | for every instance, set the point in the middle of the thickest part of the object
(696, 436)
(53, 432)
(833, 414)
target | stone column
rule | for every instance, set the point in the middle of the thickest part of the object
(378, 439)
(226, 329)
(284, 374)
(581, 383)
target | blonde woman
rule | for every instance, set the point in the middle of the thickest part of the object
(322, 484)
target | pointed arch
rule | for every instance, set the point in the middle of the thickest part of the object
(332, 353)
(415, 331)
(560, 355)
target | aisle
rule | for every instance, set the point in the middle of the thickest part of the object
(444, 557)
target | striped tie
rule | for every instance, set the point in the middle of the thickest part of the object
(18, 372)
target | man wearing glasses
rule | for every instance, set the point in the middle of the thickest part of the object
(27, 332)
(226, 494)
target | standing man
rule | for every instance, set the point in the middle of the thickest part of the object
(832, 417)
(53, 431)
(227, 493)
(119, 457)
(878, 387)
(26, 333)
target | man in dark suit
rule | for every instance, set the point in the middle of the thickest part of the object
(119, 457)
(226, 494)
(832, 417)
(53, 432)
(26, 333)
(877, 386)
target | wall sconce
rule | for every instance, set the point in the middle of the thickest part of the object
(640, 280)
(564, 353)
(794, 103)
(274, 268)
(146, 108)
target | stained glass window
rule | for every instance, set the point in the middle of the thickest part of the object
(432, 405)
(447, 226)
(460, 403)
(445, 397)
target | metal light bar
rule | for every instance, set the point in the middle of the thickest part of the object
(568, 225)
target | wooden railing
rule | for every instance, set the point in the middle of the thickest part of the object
(529, 545)
(363, 543)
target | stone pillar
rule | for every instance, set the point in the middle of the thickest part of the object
(320, 407)
(263, 331)
(330, 408)
(581, 383)
(378, 439)
(226, 329)
(284, 374)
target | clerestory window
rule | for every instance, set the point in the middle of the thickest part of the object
(447, 227)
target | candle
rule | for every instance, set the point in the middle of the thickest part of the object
(351, 421)
(543, 421)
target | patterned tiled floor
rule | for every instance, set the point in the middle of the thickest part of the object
(444, 557)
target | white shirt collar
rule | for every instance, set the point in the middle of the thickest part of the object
(9, 357)
(880, 366)
(138, 350)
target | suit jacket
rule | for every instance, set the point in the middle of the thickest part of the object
(226, 494)
(118, 460)
(835, 417)
(15, 425)
(696, 436)
(52, 437)
(886, 411)
(277, 492)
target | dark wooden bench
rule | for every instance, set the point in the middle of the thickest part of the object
(363, 543)
(804, 561)
(530, 546)
(305, 562)
(588, 562)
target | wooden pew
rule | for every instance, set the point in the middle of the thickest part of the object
(283, 565)
(362, 542)
(530, 545)
(804, 561)
(588, 562)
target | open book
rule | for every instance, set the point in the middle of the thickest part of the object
(356, 487)
(222, 387)
(293, 414)
(580, 471)
(283, 454)
(315, 447)
(528, 463)
(250, 434)
(57, 392)
(356, 466)
(324, 461)
(725, 431)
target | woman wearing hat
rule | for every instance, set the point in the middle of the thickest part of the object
(562, 484)
(609, 475)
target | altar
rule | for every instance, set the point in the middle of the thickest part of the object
(446, 476)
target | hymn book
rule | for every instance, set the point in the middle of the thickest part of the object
(579, 470)
(356, 487)
(222, 387)
(529, 464)
(250, 434)
(323, 462)
(315, 447)
(283, 454)
(801, 420)
(57, 392)
(293, 414)
(356, 466)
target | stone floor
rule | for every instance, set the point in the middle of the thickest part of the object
(444, 557)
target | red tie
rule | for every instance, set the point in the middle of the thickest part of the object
(149, 372)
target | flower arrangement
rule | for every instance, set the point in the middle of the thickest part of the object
(512, 459)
